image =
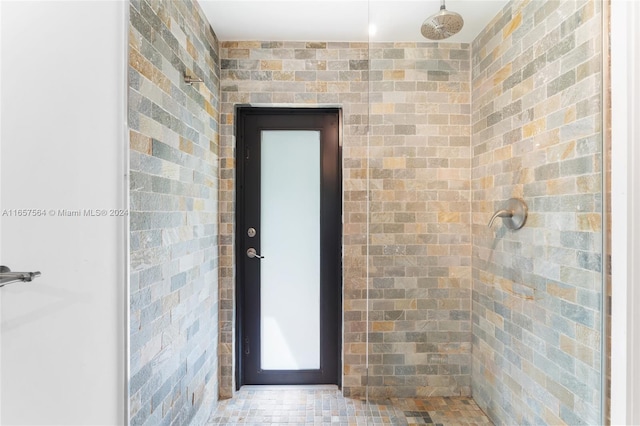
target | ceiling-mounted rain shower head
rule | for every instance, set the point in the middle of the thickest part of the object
(442, 24)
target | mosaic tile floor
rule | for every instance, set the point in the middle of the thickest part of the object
(326, 406)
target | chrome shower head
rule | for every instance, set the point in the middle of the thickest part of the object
(442, 24)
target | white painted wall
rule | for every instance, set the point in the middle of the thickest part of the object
(625, 204)
(62, 146)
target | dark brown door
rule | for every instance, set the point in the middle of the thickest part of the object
(288, 246)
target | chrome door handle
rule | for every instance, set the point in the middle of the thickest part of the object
(9, 277)
(251, 253)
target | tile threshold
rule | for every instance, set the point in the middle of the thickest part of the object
(289, 387)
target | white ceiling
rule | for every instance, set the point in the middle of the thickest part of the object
(340, 20)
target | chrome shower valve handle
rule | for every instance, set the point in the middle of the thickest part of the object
(500, 213)
(514, 216)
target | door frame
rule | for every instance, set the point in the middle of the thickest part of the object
(241, 112)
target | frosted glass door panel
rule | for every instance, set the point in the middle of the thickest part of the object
(290, 244)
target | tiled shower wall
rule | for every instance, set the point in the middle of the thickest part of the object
(450, 135)
(420, 218)
(303, 74)
(537, 136)
(420, 264)
(174, 211)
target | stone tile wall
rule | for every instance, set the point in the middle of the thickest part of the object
(419, 168)
(420, 218)
(303, 74)
(174, 211)
(537, 291)
(451, 139)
